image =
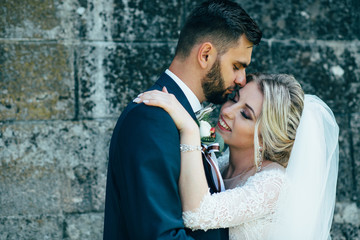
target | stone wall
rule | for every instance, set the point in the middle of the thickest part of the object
(68, 68)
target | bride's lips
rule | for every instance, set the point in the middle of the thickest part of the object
(223, 125)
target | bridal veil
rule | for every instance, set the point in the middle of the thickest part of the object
(306, 204)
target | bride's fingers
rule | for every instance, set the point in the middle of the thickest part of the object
(142, 96)
(154, 98)
(154, 95)
(165, 90)
(156, 101)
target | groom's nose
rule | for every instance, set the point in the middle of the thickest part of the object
(241, 78)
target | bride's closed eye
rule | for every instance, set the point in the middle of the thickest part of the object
(245, 115)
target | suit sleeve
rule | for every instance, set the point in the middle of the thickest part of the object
(148, 163)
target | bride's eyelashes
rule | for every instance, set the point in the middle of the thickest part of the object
(245, 115)
(242, 111)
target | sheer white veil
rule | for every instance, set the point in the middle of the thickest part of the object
(306, 205)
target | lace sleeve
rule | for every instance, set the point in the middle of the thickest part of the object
(233, 207)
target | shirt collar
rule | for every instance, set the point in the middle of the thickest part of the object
(191, 97)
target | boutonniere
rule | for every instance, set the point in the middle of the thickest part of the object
(207, 132)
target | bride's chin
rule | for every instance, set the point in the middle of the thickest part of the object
(226, 142)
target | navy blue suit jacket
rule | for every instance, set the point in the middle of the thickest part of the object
(142, 193)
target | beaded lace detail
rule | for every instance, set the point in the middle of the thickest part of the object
(247, 210)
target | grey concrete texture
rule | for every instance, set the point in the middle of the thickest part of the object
(68, 69)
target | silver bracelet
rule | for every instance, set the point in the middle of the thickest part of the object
(189, 148)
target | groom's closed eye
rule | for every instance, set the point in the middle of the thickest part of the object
(239, 65)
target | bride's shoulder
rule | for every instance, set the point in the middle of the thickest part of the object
(272, 166)
(271, 170)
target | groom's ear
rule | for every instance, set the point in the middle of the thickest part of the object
(206, 55)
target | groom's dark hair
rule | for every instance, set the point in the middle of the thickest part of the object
(220, 22)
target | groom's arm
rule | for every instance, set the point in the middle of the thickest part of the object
(150, 165)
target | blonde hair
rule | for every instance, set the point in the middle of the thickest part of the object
(280, 116)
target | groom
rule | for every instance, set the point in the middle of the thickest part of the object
(142, 194)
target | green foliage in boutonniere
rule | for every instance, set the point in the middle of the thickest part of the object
(207, 132)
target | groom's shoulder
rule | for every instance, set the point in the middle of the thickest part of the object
(142, 120)
(141, 114)
(142, 111)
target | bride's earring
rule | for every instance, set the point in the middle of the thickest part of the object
(259, 159)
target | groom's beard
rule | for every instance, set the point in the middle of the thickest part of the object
(214, 86)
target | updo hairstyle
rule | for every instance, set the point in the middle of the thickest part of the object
(275, 128)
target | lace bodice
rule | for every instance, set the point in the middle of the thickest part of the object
(247, 209)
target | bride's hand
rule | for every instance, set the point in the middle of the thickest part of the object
(169, 103)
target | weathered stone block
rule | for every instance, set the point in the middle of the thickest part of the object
(355, 130)
(86, 59)
(189, 6)
(112, 75)
(324, 70)
(345, 232)
(142, 20)
(53, 167)
(31, 227)
(336, 232)
(346, 224)
(345, 183)
(96, 20)
(91, 20)
(29, 182)
(84, 226)
(50, 19)
(325, 20)
(36, 81)
(261, 59)
(29, 19)
(82, 162)
(347, 212)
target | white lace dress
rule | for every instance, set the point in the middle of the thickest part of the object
(247, 209)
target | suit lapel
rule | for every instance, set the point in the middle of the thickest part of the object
(172, 87)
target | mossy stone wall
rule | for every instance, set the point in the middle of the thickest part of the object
(68, 69)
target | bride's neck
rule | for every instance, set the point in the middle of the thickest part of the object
(240, 162)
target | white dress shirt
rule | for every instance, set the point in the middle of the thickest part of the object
(191, 97)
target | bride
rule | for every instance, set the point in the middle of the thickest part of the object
(281, 173)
